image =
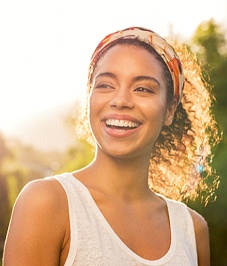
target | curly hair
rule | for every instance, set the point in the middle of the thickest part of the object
(180, 165)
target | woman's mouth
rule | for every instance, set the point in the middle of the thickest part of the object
(121, 124)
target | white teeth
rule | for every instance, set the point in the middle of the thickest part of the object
(121, 123)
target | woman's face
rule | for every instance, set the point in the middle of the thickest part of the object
(128, 104)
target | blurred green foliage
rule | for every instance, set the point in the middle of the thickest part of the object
(20, 164)
(210, 44)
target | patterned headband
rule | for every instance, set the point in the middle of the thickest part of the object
(160, 45)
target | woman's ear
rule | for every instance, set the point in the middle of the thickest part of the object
(170, 113)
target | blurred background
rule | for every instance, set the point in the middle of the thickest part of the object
(45, 47)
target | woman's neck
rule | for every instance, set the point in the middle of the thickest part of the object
(125, 177)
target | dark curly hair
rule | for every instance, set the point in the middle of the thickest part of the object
(180, 165)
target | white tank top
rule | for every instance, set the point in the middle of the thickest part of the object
(94, 243)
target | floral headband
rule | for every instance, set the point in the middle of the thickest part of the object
(160, 45)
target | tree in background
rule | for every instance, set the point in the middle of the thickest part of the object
(77, 157)
(210, 44)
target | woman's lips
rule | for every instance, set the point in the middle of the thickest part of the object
(123, 124)
(120, 126)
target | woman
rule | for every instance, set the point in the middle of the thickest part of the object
(151, 145)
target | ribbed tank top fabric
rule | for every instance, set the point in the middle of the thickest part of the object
(94, 243)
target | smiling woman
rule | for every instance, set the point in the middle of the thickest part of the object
(133, 91)
(123, 208)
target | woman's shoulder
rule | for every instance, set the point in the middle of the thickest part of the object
(44, 200)
(39, 224)
(202, 237)
(47, 192)
(200, 228)
(198, 220)
(178, 208)
(200, 224)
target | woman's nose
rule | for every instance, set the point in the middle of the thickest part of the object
(122, 99)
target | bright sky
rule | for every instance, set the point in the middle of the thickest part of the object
(45, 45)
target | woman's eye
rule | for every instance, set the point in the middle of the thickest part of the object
(142, 89)
(103, 86)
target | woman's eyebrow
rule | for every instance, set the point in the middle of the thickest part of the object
(142, 78)
(106, 74)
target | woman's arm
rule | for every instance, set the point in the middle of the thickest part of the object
(37, 230)
(202, 238)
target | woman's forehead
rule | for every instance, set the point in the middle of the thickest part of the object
(127, 56)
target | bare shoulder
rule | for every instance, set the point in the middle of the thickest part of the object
(38, 225)
(200, 223)
(41, 196)
(46, 191)
(202, 238)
